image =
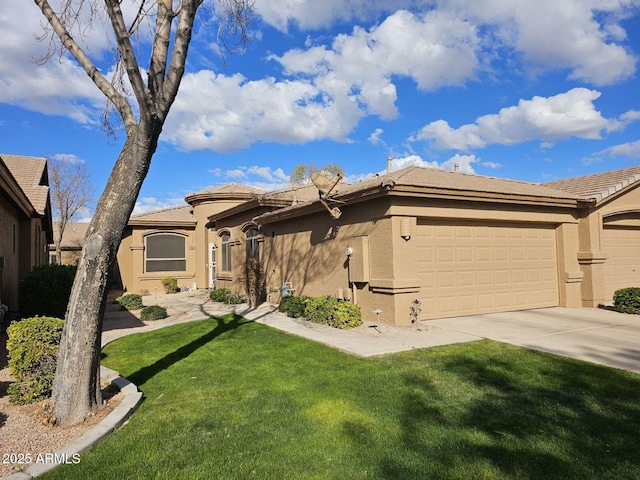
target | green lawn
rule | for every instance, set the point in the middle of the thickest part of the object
(228, 398)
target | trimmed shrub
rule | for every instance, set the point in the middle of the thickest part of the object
(45, 291)
(170, 285)
(346, 315)
(320, 309)
(294, 307)
(220, 295)
(130, 301)
(237, 299)
(627, 300)
(153, 312)
(33, 351)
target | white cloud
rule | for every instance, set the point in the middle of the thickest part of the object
(150, 204)
(376, 137)
(628, 150)
(239, 112)
(68, 157)
(547, 119)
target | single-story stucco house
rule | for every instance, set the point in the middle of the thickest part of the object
(71, 243)
(25, 221)
(443, 243)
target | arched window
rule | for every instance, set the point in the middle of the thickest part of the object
(165, 252)
(225, 252)
(253, 248)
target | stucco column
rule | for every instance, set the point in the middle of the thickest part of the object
(570, 275)
(396, 275)
(591, 259)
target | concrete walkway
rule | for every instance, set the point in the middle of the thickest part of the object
(595, 335)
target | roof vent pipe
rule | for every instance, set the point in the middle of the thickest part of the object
(456, 167)
(389, 164)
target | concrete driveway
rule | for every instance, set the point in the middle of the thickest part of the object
(595, 335)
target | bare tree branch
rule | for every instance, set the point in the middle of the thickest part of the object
(127, 54)
(101, 82)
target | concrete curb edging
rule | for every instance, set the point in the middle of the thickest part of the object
(112, 422)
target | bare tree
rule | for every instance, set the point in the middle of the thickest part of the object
(71, 192)
(76, 388)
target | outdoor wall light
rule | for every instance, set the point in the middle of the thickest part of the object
(348, 251)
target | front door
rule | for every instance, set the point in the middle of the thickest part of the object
(212, 266)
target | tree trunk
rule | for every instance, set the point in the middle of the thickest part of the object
(76, 387)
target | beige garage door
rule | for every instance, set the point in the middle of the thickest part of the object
(467, 269)
(622, 268)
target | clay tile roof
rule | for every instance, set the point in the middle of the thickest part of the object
(29, 173)
(598, 186)
(463, 182)
(73, 235)
(302, 193)
(227, 189)
(182, 214)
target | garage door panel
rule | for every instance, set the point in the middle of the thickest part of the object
(486, 268)
(622, 268)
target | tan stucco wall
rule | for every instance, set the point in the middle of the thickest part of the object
(10, 222)
(202, 210)
(130, 260)
(592, 252)
(28, 253)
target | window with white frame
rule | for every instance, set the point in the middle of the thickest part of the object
(253, 248)
(225, 252)
(165, 252)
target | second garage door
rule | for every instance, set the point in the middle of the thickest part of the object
(622, 268)
(468, 268)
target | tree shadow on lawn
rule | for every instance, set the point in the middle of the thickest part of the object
(572, 421)
(143, 375)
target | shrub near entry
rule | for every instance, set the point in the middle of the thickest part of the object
(170, 284)
(130, 301)
(33, 350)
(627, 300)
(153, 312)
(46, 290)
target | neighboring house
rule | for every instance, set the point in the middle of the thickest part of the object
(71, 243)
(25, 221)
(175, 242)
(443, 243)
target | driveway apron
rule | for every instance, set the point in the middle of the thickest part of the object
(594, 335)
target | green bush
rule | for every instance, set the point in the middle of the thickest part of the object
(170, 285)
(237, 299)
(32, 347)
(346, 315)
(320, 309)
(130, 301)
(153, 312)
(46, 290)
(294, 307)
(627, 300)
(220, 295)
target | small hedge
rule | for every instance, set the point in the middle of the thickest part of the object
(323, 309)
(294, 307)
(224, 295)
(153, 312)
(45, 291)
(170, 285)
(32, 346)
(627, 300)
(346, 315)
(130, 301)
(320, 309)
(220, 295)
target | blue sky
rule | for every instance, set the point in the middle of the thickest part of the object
(528, 90)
